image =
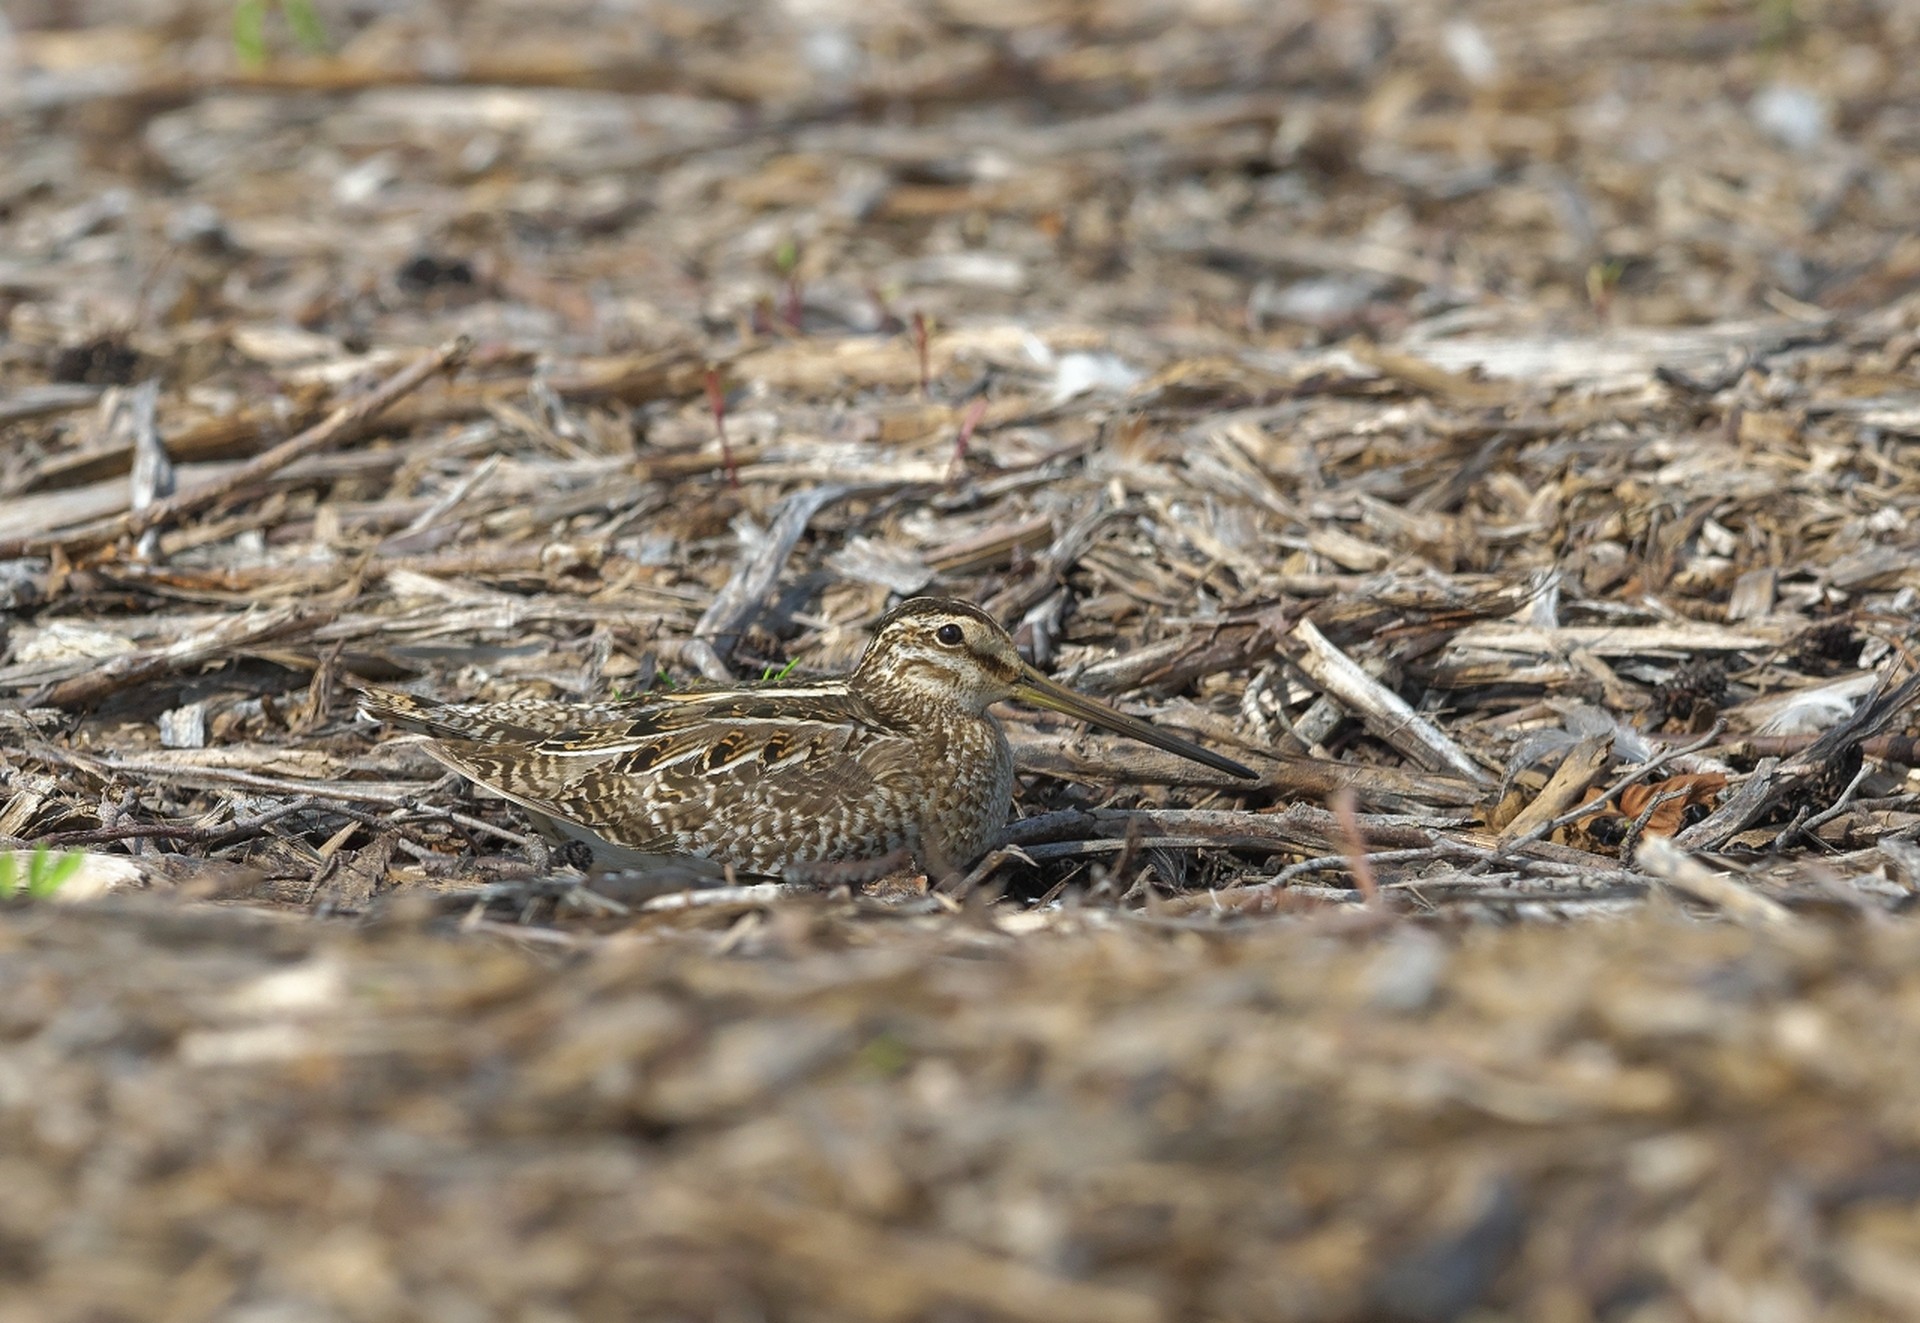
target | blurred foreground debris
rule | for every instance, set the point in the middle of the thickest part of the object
(1493, 423)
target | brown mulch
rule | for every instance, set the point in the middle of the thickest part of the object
(825, 1113)
(1491, 425)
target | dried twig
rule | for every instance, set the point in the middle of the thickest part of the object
(218, 643)
(1775, 777)
(209, 836)
(1668, 862)
(720, 626)
(1606, 797)
(338, 424)
(1385, 712)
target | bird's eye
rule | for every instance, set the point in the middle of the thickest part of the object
(951, 635)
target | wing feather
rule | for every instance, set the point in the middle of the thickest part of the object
(688, 789)
(765, 774)
(532, 720)
(527, 719)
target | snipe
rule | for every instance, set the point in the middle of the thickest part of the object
(899, 757)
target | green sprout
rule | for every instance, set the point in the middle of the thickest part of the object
(1780, 21)
(661, 680)
(885, 1055)
(1603, 278)
(782, 673)
(250, 28)
(46, 872)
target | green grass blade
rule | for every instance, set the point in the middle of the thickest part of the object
(250, 31)
(308, 30)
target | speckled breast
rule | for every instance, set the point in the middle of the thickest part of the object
(969, 772)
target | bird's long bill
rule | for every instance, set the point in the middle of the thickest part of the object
(1035, 688)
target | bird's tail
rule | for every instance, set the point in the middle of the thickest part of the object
(423, 716)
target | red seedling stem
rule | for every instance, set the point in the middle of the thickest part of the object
(968, 423)
(796, 308)
(717, 401)
(1346, 813)
(920, 348)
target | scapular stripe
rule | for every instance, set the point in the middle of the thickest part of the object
(729, 748)
(638, 762)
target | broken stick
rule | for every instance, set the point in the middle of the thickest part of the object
(447, 358)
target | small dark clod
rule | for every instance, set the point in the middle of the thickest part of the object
(107, 360)
(1691, 698)
(1827, 647)
(1818, 790)
(425, 271)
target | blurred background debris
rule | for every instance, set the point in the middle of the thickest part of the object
(1488, 421)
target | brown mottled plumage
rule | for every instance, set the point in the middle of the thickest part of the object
(901, 755)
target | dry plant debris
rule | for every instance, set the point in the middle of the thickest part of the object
(1489, 423)
(817, 1111)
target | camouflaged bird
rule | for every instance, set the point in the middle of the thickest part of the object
(898, 758)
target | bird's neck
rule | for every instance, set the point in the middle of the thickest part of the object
(905, 703)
